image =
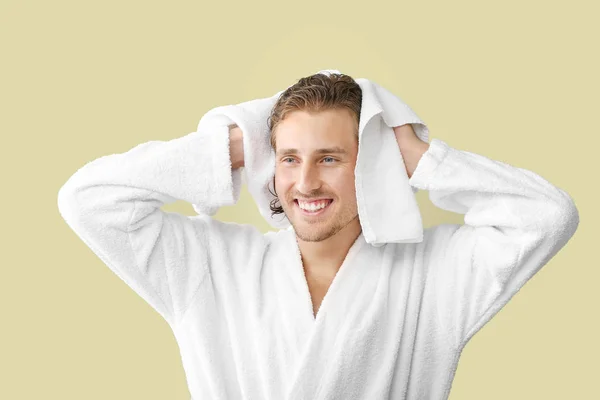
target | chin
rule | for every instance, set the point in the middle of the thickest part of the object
(309, 234)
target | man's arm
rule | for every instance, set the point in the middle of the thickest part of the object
(515, 222)
(411, 147)
(113, 205)
(236, 146)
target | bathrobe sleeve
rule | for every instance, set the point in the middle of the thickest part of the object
(113, 204)
(515, 222)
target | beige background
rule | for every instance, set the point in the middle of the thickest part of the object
(515, 81)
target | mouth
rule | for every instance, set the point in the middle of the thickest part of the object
(313, 213)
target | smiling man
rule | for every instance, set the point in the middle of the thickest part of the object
(315, 312)
(314, 175)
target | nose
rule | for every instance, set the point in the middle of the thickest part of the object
(308, 179)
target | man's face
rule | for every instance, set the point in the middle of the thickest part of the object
(311, 172)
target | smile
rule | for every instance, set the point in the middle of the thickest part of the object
(313, 213)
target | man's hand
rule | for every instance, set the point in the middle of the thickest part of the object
(411, 147)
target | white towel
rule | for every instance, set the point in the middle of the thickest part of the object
(387, 207)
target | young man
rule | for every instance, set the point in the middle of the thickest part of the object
(315, 312)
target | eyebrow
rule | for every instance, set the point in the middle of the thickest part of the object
(329, 150)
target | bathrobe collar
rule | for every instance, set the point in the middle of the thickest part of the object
(312, 338)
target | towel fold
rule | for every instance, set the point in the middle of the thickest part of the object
(387, 207)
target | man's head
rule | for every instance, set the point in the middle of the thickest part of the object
(314, 132)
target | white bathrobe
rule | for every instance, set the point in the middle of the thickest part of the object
(395, 318)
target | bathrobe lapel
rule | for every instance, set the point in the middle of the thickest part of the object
(316, 341)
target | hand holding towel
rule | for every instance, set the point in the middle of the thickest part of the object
(387, 208)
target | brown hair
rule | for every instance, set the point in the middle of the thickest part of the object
(315, 93)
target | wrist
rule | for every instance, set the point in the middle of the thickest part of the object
(236, 147)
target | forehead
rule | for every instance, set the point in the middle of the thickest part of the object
(307, 132)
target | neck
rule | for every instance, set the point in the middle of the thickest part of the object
(326, 257)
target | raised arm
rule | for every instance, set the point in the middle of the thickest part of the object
(113, 204)
(515, 222)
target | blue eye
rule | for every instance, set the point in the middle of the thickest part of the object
(291, 158)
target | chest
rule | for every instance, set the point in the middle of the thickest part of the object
(317, 287)
(364, 318)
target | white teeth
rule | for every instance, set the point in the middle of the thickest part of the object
(313, 206)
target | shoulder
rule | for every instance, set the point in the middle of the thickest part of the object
(435, 242)
(242, 235)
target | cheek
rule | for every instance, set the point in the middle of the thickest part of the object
(346, 176)
(343, 185)
(282, 184)
(347, 187)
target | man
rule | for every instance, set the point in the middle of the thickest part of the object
(314, 312)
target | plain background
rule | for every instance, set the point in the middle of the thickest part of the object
(515, 81)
